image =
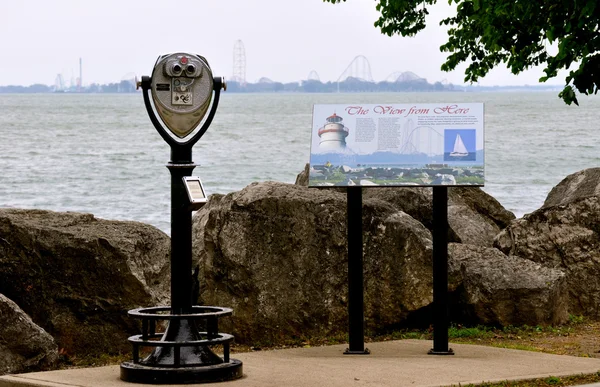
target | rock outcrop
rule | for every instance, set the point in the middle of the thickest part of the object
(490, 288)
(276, 253)
(77, 276)
(24, 346)
(564, 236)
(578, 185)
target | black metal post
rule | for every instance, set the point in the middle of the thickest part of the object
(355, 274)
(181, 239)
(440, 272)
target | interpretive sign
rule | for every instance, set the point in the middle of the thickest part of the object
(397, 145)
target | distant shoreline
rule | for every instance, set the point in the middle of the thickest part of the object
(348, 86)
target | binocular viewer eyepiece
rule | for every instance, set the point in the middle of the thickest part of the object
(183, 66)
(182, 86)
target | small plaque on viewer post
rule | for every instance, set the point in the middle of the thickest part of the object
(195, 190)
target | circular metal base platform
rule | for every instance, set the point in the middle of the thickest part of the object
(139, 373)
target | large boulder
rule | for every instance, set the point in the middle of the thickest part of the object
(276, 253)
(565, 237)
(474, 217)
(77, 276)
(24, 346)
(578, 185)
(491, 288)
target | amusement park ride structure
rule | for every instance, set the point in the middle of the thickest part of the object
(359, 68)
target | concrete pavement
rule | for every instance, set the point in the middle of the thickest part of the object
(391, 363)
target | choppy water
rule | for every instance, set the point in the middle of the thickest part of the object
(99, 153)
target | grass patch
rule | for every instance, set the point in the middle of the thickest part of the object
(550, 381)
(576, 319)
(478, 332)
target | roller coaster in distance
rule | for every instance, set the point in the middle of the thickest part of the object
(356, 77)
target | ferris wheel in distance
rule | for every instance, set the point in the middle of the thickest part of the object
(239, 63)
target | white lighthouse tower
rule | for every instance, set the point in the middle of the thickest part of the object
(333, 134)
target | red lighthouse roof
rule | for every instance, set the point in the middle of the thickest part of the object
(334, 118)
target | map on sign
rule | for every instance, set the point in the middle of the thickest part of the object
(397, 145)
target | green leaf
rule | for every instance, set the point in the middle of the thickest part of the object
(568, 95)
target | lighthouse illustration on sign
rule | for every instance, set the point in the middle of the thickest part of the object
(333, 134)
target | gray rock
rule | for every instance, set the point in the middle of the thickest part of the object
(496, 289)
(276, 253)
(77, 276)
(471, 227)
(302, 177)
(565, 237)
(482, 203)
(579, 185)
(415, 201)
(564, 234)
(398, 270)
(474, 217)
(24, 346)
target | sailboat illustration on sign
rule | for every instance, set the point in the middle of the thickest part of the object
(460, 150)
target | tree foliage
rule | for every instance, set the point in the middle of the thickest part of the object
(518, 33)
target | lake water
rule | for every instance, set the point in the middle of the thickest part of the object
(99, 153)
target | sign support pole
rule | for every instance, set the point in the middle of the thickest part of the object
(440, 272)
(356, 329)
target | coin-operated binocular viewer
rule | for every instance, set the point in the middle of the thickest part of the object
(183, 91)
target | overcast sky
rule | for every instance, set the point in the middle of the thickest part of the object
(284, 40)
